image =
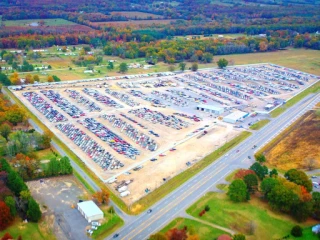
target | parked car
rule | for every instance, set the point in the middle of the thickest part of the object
(96, 224)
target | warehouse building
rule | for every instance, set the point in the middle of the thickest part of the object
(210, 109)
(235, 117)
(90, 211)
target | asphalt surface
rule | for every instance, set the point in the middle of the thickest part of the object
(142, 226)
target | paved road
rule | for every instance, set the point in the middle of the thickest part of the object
(172, 205)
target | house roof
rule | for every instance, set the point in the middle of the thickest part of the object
(89, 208)
(236, 115)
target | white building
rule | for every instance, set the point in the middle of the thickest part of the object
(210, 109)
(90, 211)
(235, 116)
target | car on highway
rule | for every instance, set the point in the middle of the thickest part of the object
(116, 235)
(149, 211)
(249, 157)
(254, 146)
(238, 151)
(153, 159)
(314, 177)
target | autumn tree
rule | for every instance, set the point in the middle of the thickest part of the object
(33, 212)
(50, 79)
(177, 234)
(29, 79)
(299, 177)
(15, 79)
(7, 236)
(15, 115)
(158, 236)
(222, 63)
(102, 196)
(5, 216)
(241, 173)
(36, 78)
(263, 46)
(238, 191)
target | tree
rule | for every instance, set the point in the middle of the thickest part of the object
(7, 236)
(316, 205)
(110, 66)
(123, 67)
(273, 173)
(260, 158)
(296, 231)
(29, 79)
(102, 197)
(53, 167)
(239, 236)
(260, 170)
(158, 236)
(222, 63)
(310, 163)
(177, 234)
(302, 211)
(4, 79)
(11, 203)
(263, 46)
(267, 185)
(33, 212)
(171, 68)
(207, 57)
(15, 115)
(207, 208)
(5, 216)
(251, 181)
(50, 79)
(194, 67)
(5, 130)
(182, 66)
(36, 78)
(15, 183)
(299, 177)
(238, 191)
(56, 79)
(65, 166)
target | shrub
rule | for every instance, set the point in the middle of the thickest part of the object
(296, 231)
(207, 208)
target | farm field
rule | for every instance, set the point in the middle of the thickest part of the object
(298, 146)
(239, 216)
(202, 230)
(36, 22)
(135, 14)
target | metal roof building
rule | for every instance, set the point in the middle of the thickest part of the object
(235, 116)
(210, 109)
(90, 211)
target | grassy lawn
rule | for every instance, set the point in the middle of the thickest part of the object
(28, 231)
(47, 22)
(176, 181)
(113, 223)
(239, 216)
(46, 154)
(313, 89)
(203, 231)
(259, 124)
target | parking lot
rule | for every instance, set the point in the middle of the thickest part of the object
(143, 130)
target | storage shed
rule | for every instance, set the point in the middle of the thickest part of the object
(90, 211)
(210, 109)
(235, 116)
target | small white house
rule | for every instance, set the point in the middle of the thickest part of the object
(90, 211)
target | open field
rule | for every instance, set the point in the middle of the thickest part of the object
(239, 216)
(28, 231)
(36, 22)
(139, 15)
(143, 116)
(202, 230)
(135, 22)
(297, 146)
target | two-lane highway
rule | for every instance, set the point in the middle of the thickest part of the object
(177, 201)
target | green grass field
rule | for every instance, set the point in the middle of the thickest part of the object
(28, 231)
(239, 216)
(203, 231)
(47, 22)
(260, 124)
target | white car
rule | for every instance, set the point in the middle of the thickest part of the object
(89, 231)
(94, 227)
(96, 224)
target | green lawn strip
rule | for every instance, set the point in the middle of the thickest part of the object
(308, 234)
(313, 89)
(260, 124)
(84, 182)
(222, 186)
(238, 216)
(71, 154)
(114, 222)
(28, 231)
(203, 231)
(178, 180)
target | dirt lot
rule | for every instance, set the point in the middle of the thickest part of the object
(180, 93)
(299, 147)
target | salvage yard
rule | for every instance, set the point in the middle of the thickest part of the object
(137, 132)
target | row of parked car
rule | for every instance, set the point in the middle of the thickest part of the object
(158, 117)
(101, 98)
(123, 98)
(63, 103)
(171, 99)
(112, 139)
(138, 137)
(97, 153)
(44, 107)
(90, 105)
